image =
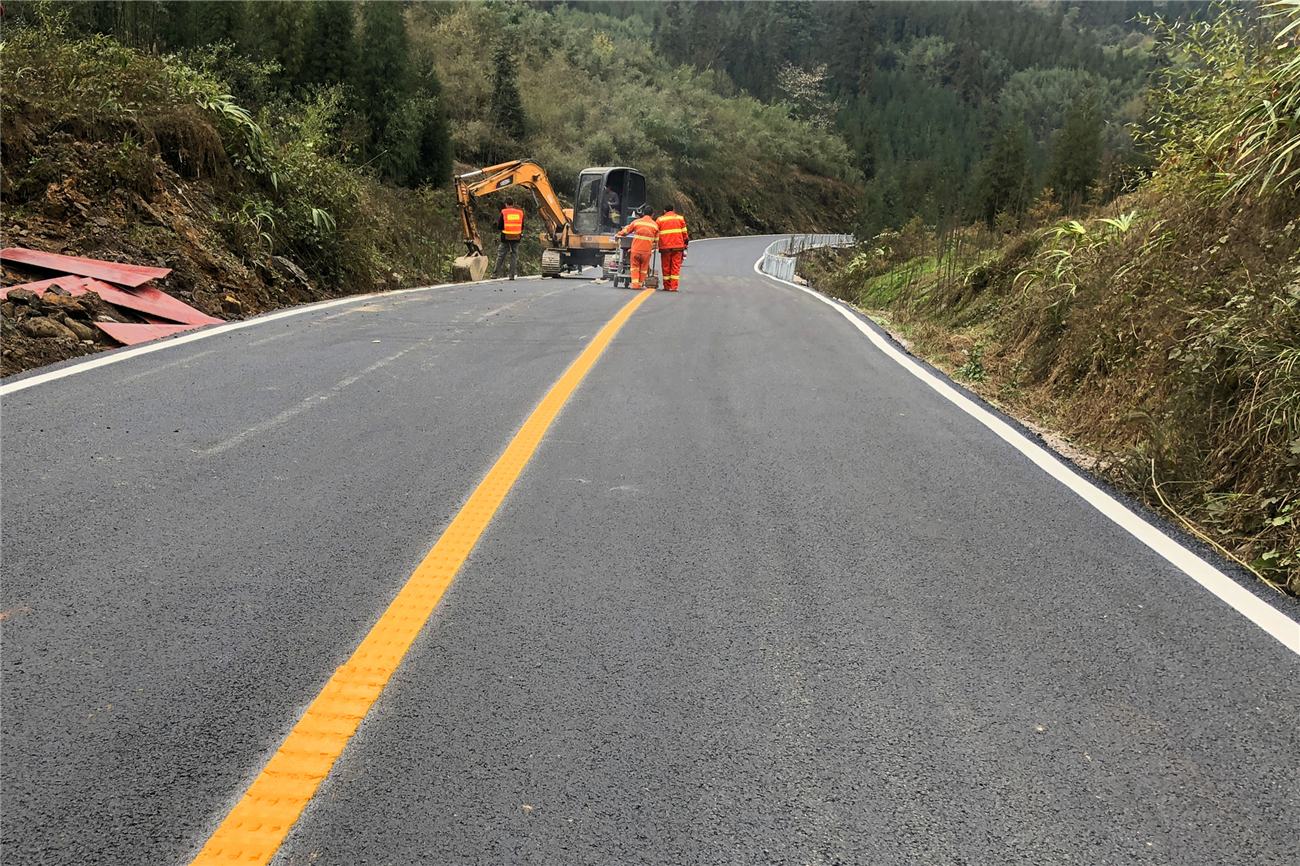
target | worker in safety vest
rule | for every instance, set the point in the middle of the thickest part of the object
(643, 231)
(673, 240)
(511, 224)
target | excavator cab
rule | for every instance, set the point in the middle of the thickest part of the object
(607, 199)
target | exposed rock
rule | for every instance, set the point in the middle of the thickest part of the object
(283, 268)
(67, 303)
(231, 307)
(96, 309)
(43, 327)
(23, 296)
(83, 332)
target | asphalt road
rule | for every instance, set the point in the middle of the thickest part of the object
(759, 597)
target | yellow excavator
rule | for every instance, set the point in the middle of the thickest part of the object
(607, 199)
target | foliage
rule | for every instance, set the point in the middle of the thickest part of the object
(1163, 330)
(924, 92)
(1004, 179)
(1163, 334)
(1076, 155)
(973, 370)
(806, 91)
(1227, 109)
(334, 52)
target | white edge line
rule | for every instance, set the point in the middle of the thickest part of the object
(213, 331)
(1255, 609)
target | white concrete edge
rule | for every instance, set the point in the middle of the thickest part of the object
(1255, 609)
(103, 360)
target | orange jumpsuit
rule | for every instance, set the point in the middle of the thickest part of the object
(644, 231)
(673, 238)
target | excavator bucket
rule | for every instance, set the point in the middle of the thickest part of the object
(469, 269)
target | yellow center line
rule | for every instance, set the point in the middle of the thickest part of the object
(257, 825)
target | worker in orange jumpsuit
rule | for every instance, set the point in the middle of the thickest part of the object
(673, 240)
(643, 231)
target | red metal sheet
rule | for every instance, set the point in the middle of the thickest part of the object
(147, 299)
(113, 272)
(73, 285)
(130, 334)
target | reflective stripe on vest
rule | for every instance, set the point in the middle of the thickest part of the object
(672, 231)
(644, 231)
(513, 220)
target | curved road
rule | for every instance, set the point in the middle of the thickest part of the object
(760, 596)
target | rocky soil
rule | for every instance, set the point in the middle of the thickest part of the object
(169, 223)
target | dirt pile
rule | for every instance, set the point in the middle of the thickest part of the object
(159, 219)
(39, 330)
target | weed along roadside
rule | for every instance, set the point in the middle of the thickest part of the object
(1158, 335)
(1181, 394)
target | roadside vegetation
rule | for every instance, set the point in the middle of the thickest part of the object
(132, 154)
(1160, 332)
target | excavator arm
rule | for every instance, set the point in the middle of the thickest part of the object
(498, 177)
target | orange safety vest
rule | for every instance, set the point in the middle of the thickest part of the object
(672, 232)
(512, 220)
(644, 232)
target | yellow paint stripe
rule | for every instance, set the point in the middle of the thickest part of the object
(255, 827)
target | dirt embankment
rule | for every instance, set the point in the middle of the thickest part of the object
(159, 219)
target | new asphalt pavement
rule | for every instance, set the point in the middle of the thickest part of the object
(760, 596)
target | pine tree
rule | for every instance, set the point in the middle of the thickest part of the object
(1076, 156)
(675, 36)
(433, 147)
(282, 30)
(1004, 177)
(383, 83)
(507, 104)
(222, 22)
(333, 55)
(433, 150)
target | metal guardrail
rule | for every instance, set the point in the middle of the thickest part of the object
(779, 257)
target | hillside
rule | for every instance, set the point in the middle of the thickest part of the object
(1161, 333)
(952, 111)
(593, 90)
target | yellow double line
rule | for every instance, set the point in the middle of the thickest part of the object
(257, 825)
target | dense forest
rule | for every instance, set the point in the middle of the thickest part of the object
(953, 111)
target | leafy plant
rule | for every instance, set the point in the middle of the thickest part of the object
(1227, 111)
(973, 370)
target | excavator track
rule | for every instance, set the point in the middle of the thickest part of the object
(551, 263)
